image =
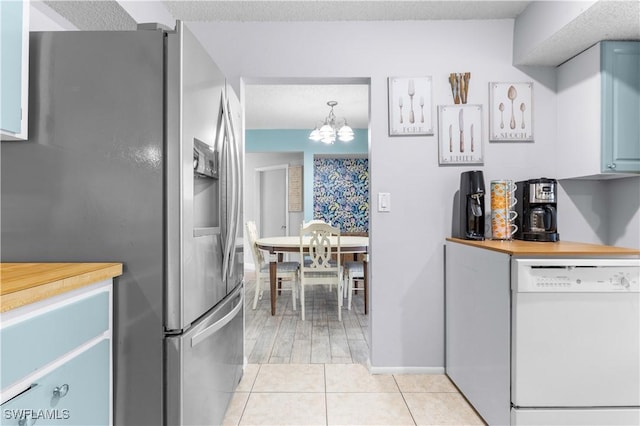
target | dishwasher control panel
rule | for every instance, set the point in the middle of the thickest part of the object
(576, 275)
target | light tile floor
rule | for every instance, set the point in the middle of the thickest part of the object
(344, 394)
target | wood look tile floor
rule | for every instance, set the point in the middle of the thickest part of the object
(285, 339)
(314, 372)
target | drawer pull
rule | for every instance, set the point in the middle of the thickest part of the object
(60, 391)
(24, 421)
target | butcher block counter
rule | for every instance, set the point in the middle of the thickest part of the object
(25, 283)
(559, 248)
(56, 331)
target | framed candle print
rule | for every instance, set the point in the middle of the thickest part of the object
(410, 106)
(460, 134)
(511, 112)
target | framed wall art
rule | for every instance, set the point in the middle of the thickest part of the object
(511, 112)
(410, 106)
(460, 134)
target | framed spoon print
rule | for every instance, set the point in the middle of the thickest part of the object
(511, 112)
(410, 106)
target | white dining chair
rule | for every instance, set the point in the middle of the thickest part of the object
(306, 258)
(285, 271)
(319, 241)
(354, 271)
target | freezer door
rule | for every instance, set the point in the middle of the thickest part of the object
(194, 261)
(204, 365)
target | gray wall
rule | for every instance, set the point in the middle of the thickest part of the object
(600, 212)
(253, 161)
(407, 285)
(407, 274)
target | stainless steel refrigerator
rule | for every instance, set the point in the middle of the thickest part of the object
(135, 155)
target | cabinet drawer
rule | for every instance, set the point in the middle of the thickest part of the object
(76, 393)
(30, 344)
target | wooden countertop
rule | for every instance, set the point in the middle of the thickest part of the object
(24, 283)
(559, 248)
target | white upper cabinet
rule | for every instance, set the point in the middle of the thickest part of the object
(14, 68)
(599, 112)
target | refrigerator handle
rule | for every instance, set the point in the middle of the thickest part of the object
(237, 188)
(230, 245)
(204, 334)
(226, 139)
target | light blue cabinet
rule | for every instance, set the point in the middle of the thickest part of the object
(76, 393)
(599, 112)
(620, 106)
(14, 68)
(55, 360)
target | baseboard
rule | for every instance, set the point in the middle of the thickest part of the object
(405, 370)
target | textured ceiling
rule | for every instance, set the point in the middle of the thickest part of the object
(301, 105)
(604, 20)
(270, 106)
(359, 10)
(280, 106)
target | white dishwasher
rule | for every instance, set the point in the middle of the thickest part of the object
(575, 341)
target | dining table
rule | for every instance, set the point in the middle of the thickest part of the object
(277, 246)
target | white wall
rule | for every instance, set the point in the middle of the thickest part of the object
(623, 201)
(600, 212)
(407, 274)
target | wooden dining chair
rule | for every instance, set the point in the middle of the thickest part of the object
(319, 241)
(285, 271)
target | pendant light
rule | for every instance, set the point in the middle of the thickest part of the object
(331, 128)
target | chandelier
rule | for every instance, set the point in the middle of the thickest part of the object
(327, 130)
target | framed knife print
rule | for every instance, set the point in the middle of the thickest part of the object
(511, 112)
(460, 134)
(410, 106)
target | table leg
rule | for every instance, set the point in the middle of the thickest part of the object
(365, 263)
(280, 259)
(273, 266)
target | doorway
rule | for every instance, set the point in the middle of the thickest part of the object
(279, 117)
(272, 200)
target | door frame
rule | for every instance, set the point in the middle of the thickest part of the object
(258, 196)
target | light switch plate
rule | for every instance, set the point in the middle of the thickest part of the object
(384, 201)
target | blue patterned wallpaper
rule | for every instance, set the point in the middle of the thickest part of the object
(341, 192)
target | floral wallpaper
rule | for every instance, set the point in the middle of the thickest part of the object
(341, 192)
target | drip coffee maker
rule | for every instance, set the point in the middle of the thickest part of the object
(537, 212)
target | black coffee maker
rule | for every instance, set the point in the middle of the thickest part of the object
(537, 210)
(468, 221)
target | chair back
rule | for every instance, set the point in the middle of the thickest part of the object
(252, 234)
(318, 242)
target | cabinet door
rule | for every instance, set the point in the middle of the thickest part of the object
(621, 106)
(14, 15)
(76, 393)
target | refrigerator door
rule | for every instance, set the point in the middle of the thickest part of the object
(194, 260)
(204, 365)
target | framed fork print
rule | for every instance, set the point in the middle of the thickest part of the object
(511, 112)
(410, 106)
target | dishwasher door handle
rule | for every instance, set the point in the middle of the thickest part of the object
(204, 334)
